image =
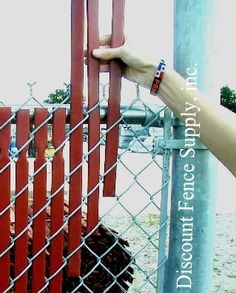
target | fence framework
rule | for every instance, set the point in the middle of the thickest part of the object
(33, 254)
(53, 228)
(34, 192)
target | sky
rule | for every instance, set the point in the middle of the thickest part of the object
(35, 41)
(226, 45)
(35, 45)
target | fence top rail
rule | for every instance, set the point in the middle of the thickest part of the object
(151, 115)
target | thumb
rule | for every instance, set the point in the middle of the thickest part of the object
(107, 53)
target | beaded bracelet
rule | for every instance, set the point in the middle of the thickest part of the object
(157, 78)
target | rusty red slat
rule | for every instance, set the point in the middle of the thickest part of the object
(5, 138)
(21, 205)
(39, 200)
(76, 137)
(113, 111)
(57, 201)
(94, 116)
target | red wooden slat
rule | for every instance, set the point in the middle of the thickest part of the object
(76, 137)
(5, 137)
(94, 116)
(113, 112)
(21, 205)
(57, 201)
(39, 200)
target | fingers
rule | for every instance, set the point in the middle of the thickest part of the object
(107, 53)
(103, 67)
(105, 40)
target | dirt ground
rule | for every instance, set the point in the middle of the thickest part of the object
(225, 254)
(224, 269)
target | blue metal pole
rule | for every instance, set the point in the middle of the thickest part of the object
(192, 220)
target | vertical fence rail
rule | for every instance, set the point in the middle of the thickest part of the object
(162, 253)
(39, 201)
(113, 114)
(76, 137)
(5, 137)
(57, 201)
(21, 204)
(94, 116)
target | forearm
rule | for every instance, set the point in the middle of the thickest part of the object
(217, 125)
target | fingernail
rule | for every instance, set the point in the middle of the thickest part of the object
(96, 52)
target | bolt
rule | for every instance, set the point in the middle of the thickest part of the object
(161, 143)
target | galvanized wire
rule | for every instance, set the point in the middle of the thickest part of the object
(156, 196)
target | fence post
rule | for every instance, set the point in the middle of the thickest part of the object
(191, 246)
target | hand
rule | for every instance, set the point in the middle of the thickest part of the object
(135, 69)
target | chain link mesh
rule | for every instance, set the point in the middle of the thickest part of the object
(133, 217)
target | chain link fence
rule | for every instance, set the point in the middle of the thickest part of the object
(76, 218)
(126, 250)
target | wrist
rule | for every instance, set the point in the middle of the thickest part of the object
(148, 77)
(160, 71)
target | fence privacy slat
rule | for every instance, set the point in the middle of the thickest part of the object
(5, 138)
(21, 205)
(57, 201)
(113, 112)
(76, 137)
(94, 117)
(39, 200)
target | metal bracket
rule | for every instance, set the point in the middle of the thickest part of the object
(160, 144)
